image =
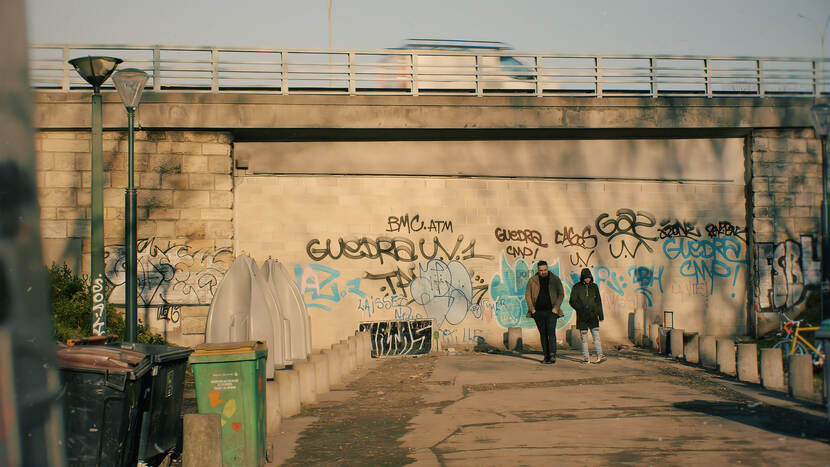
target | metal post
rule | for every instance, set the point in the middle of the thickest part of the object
(130, 328)
(825, 233)
(99, 310)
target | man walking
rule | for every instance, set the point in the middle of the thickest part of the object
(544, 295)
(585, 299)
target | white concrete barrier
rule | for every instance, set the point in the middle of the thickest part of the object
(639, 324)
(772, 369)
(335, 366)
(676, 343)
(514, 338)
(801, 376)
(307, 379)
(321, 372)
(288, 382)
(273, 417)
(726, 356)
(654, 336)
(352, 341)
(367, 346)
(691, 348)
(748, 363)
(342, 351)
(709, 351)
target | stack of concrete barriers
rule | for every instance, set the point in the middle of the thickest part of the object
(731, 357)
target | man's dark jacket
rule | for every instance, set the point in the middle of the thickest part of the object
(586, 301)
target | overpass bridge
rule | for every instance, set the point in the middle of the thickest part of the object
(398, 187)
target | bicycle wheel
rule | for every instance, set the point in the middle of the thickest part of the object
(784, 345)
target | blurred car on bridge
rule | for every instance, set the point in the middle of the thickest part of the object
(456, 66)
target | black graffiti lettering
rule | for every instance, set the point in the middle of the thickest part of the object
(627, 224)
(393, 279)
(725, 229)
(396, 248)
(415, 224)
(520, 235)
(567, 237)
(519, 251)
(391, 338)
(577, 260)
(669, 229)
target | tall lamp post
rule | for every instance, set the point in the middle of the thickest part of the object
(130, 83)
(821, 124)
(95, 71)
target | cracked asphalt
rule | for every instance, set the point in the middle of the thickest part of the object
(498, 409)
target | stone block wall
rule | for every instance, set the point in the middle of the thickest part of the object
(786, 216)
(185, 217)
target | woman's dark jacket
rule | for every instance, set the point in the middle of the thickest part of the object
(586, 301)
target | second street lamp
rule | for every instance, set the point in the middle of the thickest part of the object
(95, 71)
(130, 83)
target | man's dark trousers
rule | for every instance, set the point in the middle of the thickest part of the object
(546, 323)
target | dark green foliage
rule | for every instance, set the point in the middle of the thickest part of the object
(71, 309)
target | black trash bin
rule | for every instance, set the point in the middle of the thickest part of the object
(161, 426)
(103, 390)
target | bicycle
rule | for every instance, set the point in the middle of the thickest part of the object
(802, 346)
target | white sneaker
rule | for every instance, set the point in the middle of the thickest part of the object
(600, 359)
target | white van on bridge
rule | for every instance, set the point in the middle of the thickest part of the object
(457, 66)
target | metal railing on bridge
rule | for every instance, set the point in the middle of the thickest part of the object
(438, 72)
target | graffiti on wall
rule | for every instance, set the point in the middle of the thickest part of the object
(628, 231)
(784, 272)
(581, 244)
(644, 279)
(391, 338)
(445, 290)
(416, 224)
(527, 244)
(672, 228)
(168, 273)
(704, 260)
(507, 292)
(399, 249)
(324, 285)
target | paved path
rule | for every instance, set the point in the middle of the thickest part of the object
(503, 409)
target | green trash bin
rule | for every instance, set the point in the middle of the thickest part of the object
(230, 381)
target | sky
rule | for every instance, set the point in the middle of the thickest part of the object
(757, 28)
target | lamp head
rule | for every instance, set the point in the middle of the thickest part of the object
(130, 83)
(95, 70)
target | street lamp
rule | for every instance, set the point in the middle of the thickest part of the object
(130, 83)
(95, 71)
(821, 124)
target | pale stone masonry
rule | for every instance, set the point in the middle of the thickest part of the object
(195, 214)
(184, 183)
(785, 209)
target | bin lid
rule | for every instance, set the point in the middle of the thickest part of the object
(823, 331)
(103, 359)
(229, 352)
(158, 353)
